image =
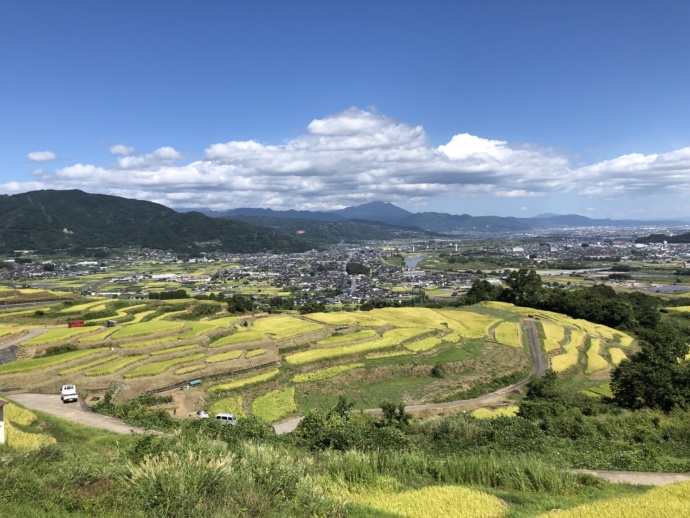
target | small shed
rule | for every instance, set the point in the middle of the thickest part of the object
(2, 422)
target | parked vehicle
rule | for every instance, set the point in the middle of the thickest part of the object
(69, 393)
(225, 418)
(203, 414)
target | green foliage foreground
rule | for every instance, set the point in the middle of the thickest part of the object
(337, 457)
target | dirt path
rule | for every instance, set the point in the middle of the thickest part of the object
(28, 335)
(75, 412)
(638, 477)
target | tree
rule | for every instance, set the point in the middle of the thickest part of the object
(658, 376)
(353, 268)
(525, 286)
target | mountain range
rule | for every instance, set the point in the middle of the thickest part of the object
(440, 222)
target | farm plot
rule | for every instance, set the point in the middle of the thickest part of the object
(155, 368)
(323, 374)
(410, 317)
(473, 325)
(84, 307)
(595, 362)
(232, 404)
(18, 439)
(280, 327)
(388, 339)
(423, 345)
(245, 381)
(58, 335)
(349, 337)
(508, 333)
(255, 352)
(98, 337)
(118, 365)
(432, 502)
(275, 404)
(572, 353)
(174, 349)
(554, 335)
(346, 319)
(617, 355)
(189, 368)
(34, 364)
(239, 338)
(86, 366)
(223, 357)
(146, 328)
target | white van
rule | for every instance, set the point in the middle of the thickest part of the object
(68, 393)
(226, 418)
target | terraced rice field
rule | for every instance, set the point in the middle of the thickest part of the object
(349, 337)
(88, 306)
(472, 325)
(254, 353)
(595, 362)
(58, 335)
(18, 439)
(35, 364)
(155, 368)
(423, 345)
(275, 404)
(486, 413)
(617, 355)
(189, 368)
(86, 366)
(174, 349)
(389, 339)
(508, 333)
(231, 385)
(554, 335)
(323, 374)
(232, 405)
(147, 328)
(223, 357)
(572, 353)
(239, 338)
(118, 365)
(284, 327)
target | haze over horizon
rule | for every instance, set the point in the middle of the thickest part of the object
(461, 107)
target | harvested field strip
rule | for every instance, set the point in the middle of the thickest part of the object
(474, 325)
(34, 364)
(147, 343)
(232, 405)
(486, 413)
(140, 316)
(98, 337)
(342, 318)
(189, 368)
(389, 339)
(58, 335)
(452, 338)
(89, 365)
(195, 329)
(238, 338)
(175, 349)
(410, 317)
(595, 362)
(147, 328)
(554, 335)
(82, 307)
(349, 337)
(508, 333)
(275, 404)
(245, 381)
(393, 354)
(617, 355)
(323, 374)
(222, 357)
(166, 316)
(155, 368)
(254, 352)
(284, 327)
(670, 500)
(423, 345)
(433, 502)
(110, 368)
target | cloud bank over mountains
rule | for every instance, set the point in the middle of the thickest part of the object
(354, 157)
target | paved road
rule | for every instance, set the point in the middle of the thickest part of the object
(76, 412)
(540, 364)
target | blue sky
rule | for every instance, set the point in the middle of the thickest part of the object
(495, 107)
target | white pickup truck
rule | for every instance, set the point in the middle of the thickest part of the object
(69, 393)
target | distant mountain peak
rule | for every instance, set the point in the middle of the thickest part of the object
(375, 211)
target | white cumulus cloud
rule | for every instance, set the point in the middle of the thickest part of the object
(121, 149)
(357, 156)
(41, 156)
